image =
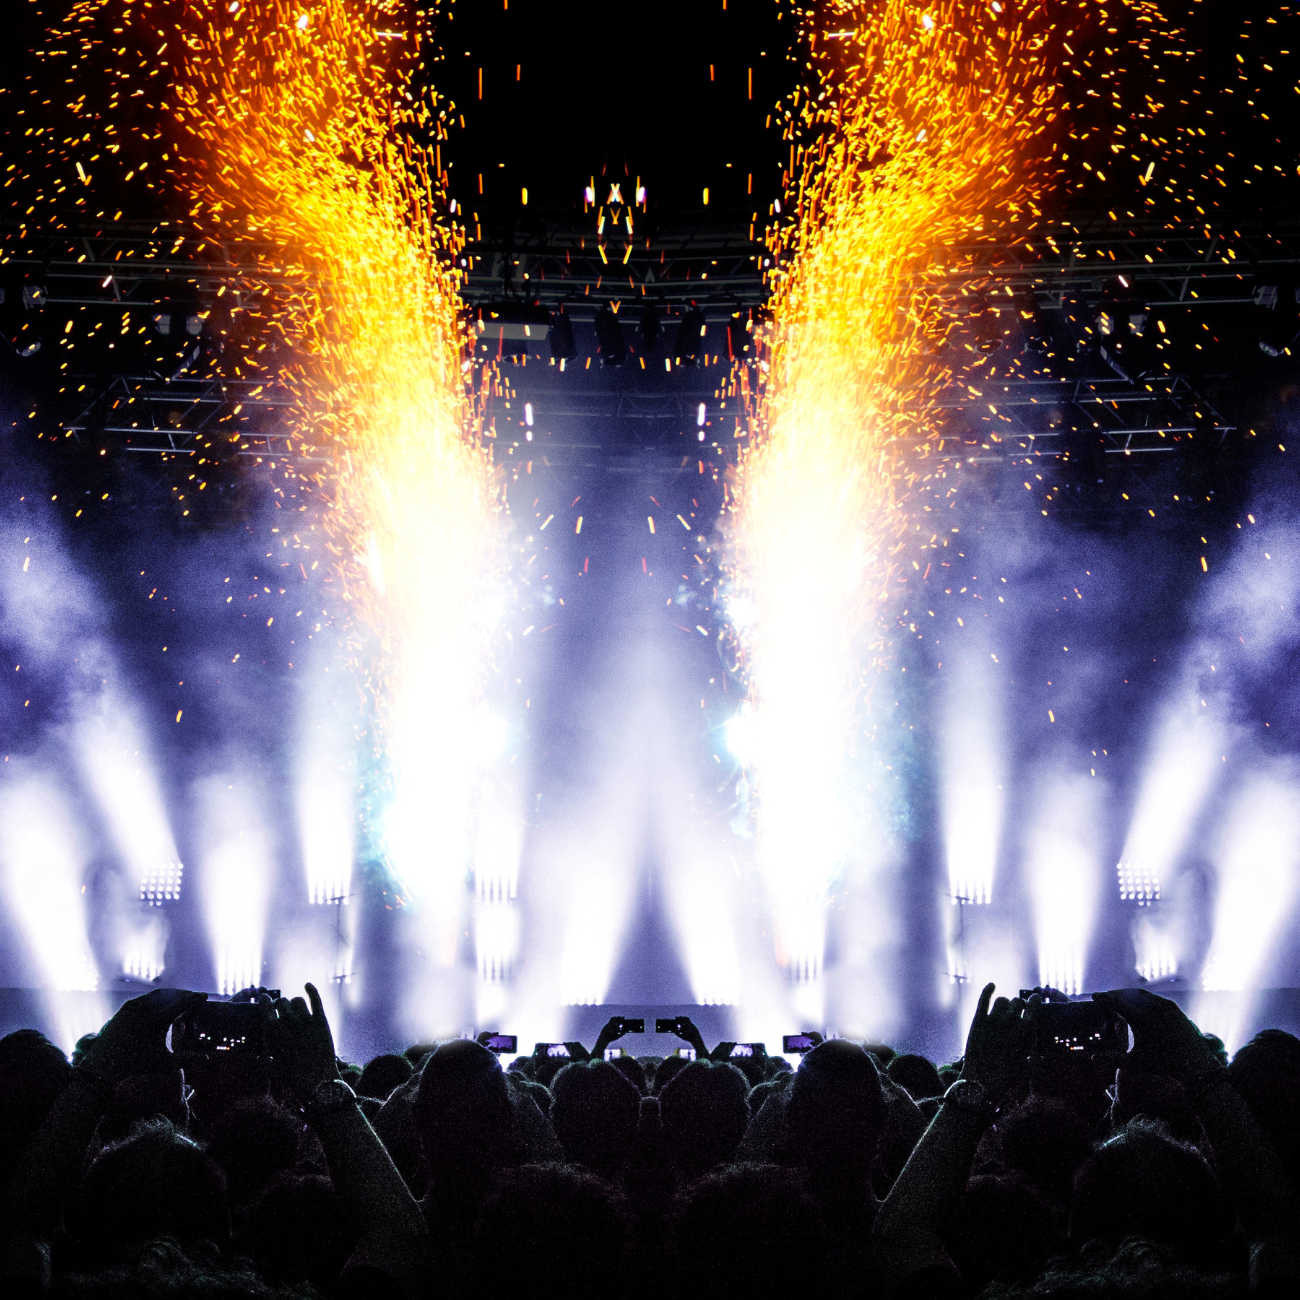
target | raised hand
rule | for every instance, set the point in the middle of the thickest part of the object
(998, 1043)
(1164, 1040)
(686, 1029)
(134, 1041)
(613, 1029)
(301, 1043)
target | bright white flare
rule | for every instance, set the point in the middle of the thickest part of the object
(1258, 862)
(113, 757)
(44, 860)
(972, 787)
(237, 867)
(1185, 762)
(1063, 866)
(325, 796)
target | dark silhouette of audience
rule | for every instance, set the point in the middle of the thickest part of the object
(141, 1171)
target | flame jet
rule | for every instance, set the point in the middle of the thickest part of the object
(910, 141)
(307, 127)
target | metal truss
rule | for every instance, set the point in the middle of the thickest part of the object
(1043, 417)
(675, 260)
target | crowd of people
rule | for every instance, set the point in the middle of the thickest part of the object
(134, 1170)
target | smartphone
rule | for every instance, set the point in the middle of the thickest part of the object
(556, 1049)
(221, 1027)
(749, 1049)
(686, 1053)
(1065, 1028)
(613, 1053)
(797, 1043)
(502, 1043)
(665, 1025)
(633, 1026)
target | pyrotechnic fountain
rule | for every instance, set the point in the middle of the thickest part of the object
(915, 137)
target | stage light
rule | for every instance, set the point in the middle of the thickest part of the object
(690, 330)
(610, 342)
(701, 414)
(1279, 318)
(970, 756)
(236, 863)
(1063, 870)
(1181, 768)
(44, 859)
(326, 801)
(528, 414)
(1156, 945)
(1038, 338)
(496, 940)
(1258, 869)
(1121, 326)
(112, 754)
(700, 903)
(35, 296)
(563, 347)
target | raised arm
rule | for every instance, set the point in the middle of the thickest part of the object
(132, 1042)
(1166, 1042)
(687, 1031)
(906, 1238)
(394, 1237)
(614, 1029)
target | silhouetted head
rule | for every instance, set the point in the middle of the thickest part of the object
(462, 1111)
(1266, 1072)
(145, 1096)
(553, 1226)
(1144, 1183)
(155, 1183)
(1158, 1097)
(917, 1075)
(633, 1071)
(32, 1074)
(1047, 1142)
(542, 1096)
(252, 1141)
(667, 1070)
(545, 1068)
(296, 1226)
(382, 1075)
(705, 1110)
(747, 1230)
(594, 1114)
(1006, 1226)
(836, 1108)
(754, 1068)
